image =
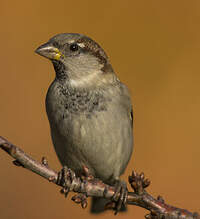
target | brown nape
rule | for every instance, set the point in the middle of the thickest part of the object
(94, 49)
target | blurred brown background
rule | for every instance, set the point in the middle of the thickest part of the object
(154, 47)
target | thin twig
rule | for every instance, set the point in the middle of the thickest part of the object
(92, 187)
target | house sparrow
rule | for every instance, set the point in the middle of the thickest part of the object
(89, 110)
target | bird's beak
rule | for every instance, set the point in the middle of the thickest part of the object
(49, 51)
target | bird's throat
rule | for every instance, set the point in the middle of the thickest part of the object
(60, 69)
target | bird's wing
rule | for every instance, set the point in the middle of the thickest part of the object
(126, 101)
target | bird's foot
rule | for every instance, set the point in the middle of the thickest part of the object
(80, 199)
(65, 179)
(68, 180)
(120, 195)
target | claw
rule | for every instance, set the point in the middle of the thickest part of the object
(67, 179)
(64, 191)
(120, 196)
(80, 199)
(84, 204)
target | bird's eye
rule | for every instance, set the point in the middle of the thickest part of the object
(73, 47)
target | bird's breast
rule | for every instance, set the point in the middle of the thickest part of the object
(89, 128)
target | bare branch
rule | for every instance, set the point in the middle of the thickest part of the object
(92, 187)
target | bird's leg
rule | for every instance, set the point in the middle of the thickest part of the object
(120, 195)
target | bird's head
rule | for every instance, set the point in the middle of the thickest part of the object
(76, 58)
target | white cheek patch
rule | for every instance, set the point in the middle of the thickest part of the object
(82, 45)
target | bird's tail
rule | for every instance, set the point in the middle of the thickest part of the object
(98, 205)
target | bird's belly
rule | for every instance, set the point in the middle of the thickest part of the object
(81, 140)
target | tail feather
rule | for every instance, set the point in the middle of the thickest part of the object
(98, 205)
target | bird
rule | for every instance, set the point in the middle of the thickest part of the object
(89, 110)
